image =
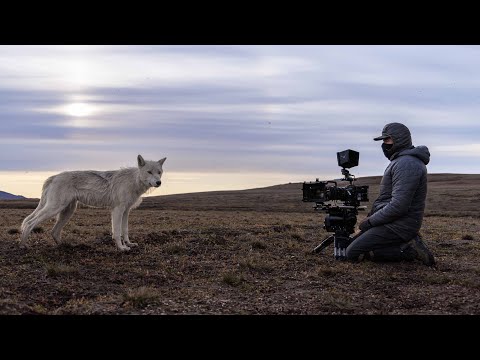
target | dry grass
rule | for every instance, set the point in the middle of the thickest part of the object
(252, 258)
(141, 297)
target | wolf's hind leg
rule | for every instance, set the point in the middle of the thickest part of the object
(62, 218)
(43, 214)
(39, 207)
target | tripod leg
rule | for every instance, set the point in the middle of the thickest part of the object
(324, 244)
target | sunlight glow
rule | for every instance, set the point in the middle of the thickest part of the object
(78, 109)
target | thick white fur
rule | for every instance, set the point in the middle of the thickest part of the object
(119, 190)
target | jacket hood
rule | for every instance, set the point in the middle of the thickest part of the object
(420, 152)
(400, 134)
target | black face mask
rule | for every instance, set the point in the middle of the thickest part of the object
(386, 150)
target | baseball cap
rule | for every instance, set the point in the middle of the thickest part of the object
(388, 129)
(399, 133)
(383, 136)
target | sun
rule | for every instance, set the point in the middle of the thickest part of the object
(78, 109)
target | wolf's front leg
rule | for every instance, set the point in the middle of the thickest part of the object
(117, 215)
(125, 238)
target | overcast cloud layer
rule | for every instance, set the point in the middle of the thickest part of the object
(259, 113)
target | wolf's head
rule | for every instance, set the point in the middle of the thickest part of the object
(150, 171)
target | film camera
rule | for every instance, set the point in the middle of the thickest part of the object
(341, 218)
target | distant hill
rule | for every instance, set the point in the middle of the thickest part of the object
(448, 195)
(7, 196)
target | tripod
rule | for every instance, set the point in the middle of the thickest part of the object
(341, 239)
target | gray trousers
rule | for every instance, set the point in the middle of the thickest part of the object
(378, 244)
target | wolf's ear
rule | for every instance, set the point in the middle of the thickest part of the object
(162, 161)
(140, 160)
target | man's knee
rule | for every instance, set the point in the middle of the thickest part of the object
(355, 255)
(351, 254)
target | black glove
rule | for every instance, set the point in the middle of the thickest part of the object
(365, 225)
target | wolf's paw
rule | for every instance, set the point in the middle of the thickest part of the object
(58, 240)
(24, 246)
(123, 248)
(132, 244)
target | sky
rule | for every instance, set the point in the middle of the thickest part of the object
(231, 117)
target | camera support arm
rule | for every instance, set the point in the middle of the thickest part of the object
(348, 177)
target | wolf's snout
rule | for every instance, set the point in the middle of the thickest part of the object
(159, 183)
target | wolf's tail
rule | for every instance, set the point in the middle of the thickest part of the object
(41, 204)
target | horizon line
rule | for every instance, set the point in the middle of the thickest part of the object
(255, 188)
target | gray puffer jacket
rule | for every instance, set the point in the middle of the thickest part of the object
(403, 190)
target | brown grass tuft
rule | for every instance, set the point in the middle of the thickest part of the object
(232, 279)
(141, 297)
(57, 270)
(38, 230)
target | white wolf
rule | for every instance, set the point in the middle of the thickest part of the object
(119, 190)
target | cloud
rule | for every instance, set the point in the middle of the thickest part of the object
(90, 67)
(467, 150)
(230, 109)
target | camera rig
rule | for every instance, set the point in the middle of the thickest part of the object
(341, 218)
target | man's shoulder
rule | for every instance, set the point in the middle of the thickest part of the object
(408, 163)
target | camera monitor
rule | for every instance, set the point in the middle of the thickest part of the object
(348, 158)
